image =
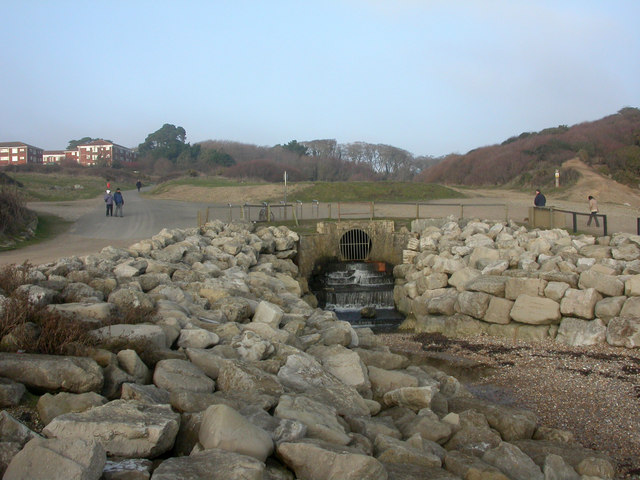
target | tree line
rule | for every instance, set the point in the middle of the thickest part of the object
(166, 151)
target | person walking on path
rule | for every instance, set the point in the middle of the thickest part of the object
(540, 200)
(593, 208)
(108, 199)
(138, 185)
(119, 201)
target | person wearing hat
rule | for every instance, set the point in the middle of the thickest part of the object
(108, 199)
(119, 199)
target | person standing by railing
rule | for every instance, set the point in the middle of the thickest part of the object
(593, 208)
(540, 200)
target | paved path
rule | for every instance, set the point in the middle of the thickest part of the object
(92, 230)
(143, 217)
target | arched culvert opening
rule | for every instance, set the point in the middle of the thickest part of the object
(355, 245)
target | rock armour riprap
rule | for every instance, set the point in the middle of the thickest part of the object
(519, 283)
(235, 376)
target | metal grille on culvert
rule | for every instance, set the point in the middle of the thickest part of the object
(355, 245)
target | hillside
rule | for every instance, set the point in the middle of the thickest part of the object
(611, 145)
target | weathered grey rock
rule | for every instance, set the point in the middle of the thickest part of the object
(609, 307)
(345, 364)
(490, 284)
(624, 332)
(197, 338)
(52, 373)
(133, 365)
(246, 379)
(371, 427)
(50, 406)
(152, 334)
(382, 359)
(315, 460)
(10, 392)
(43, 459)
(269, 313)
(555, 468)
(426, 424)
(414, 398)
(575, 331)
(304, 374)
(12, 431)
(173, 374)
(145, 393)
(127, 298)
(498, 311)
(468, 466)
(252, 347)
(383, 381)
(461, 277)
(474, 304)
(223, 427)
(608, 285)
(473, 434)
(516, 286)
(572, 454)
(580, 303)
(393, 450)
(512, 461)
(321, 420)
(127, 469)
(535, 310)
(213, 464)
(124, 428)
(556, 290)
(100, 311)
(631, 307)
(512, 423)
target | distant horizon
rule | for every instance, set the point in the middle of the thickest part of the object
(310, 140)
(430, 77)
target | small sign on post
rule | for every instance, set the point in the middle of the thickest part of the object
(557, 178)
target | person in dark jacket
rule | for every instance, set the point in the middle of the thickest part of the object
(540, 200)
(119, 201)
(138, 185)
(108, 200)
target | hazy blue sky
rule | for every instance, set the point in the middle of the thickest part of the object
(432, 77)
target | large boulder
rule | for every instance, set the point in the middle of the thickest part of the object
(213, 464)
(52, 373)
(72, 458)
(316, 460)
(124, 428)
(223, 427)
(535, 310)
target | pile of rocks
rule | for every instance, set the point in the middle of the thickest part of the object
(465, 278)
(243, 378)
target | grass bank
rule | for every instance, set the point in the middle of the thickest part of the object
(48, 227)
(206, 182)
(54, 187)
(374, 191)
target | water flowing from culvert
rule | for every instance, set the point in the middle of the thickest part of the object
(349, 287)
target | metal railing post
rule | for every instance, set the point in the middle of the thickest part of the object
(338, 211)
(551, 222)
(461, 211)
(206, 220)
(329, 205)
(575, 222)
(604, 224)
(417, 210)
(372, 211)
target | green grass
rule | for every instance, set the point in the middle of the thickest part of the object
(54, 188)
(48, 227)
(374, 191)
(207, 182)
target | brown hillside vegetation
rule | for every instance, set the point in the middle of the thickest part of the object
(530, 159)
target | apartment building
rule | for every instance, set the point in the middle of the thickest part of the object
(50, 157)
(18, 153)
(103, 151)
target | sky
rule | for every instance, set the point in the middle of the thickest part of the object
(430, 76)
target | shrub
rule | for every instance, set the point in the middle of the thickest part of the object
(14, 215)
(12, 276)
(57, 334)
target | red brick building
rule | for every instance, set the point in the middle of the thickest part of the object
(50, 157)
(103, 151)
(19, 153)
